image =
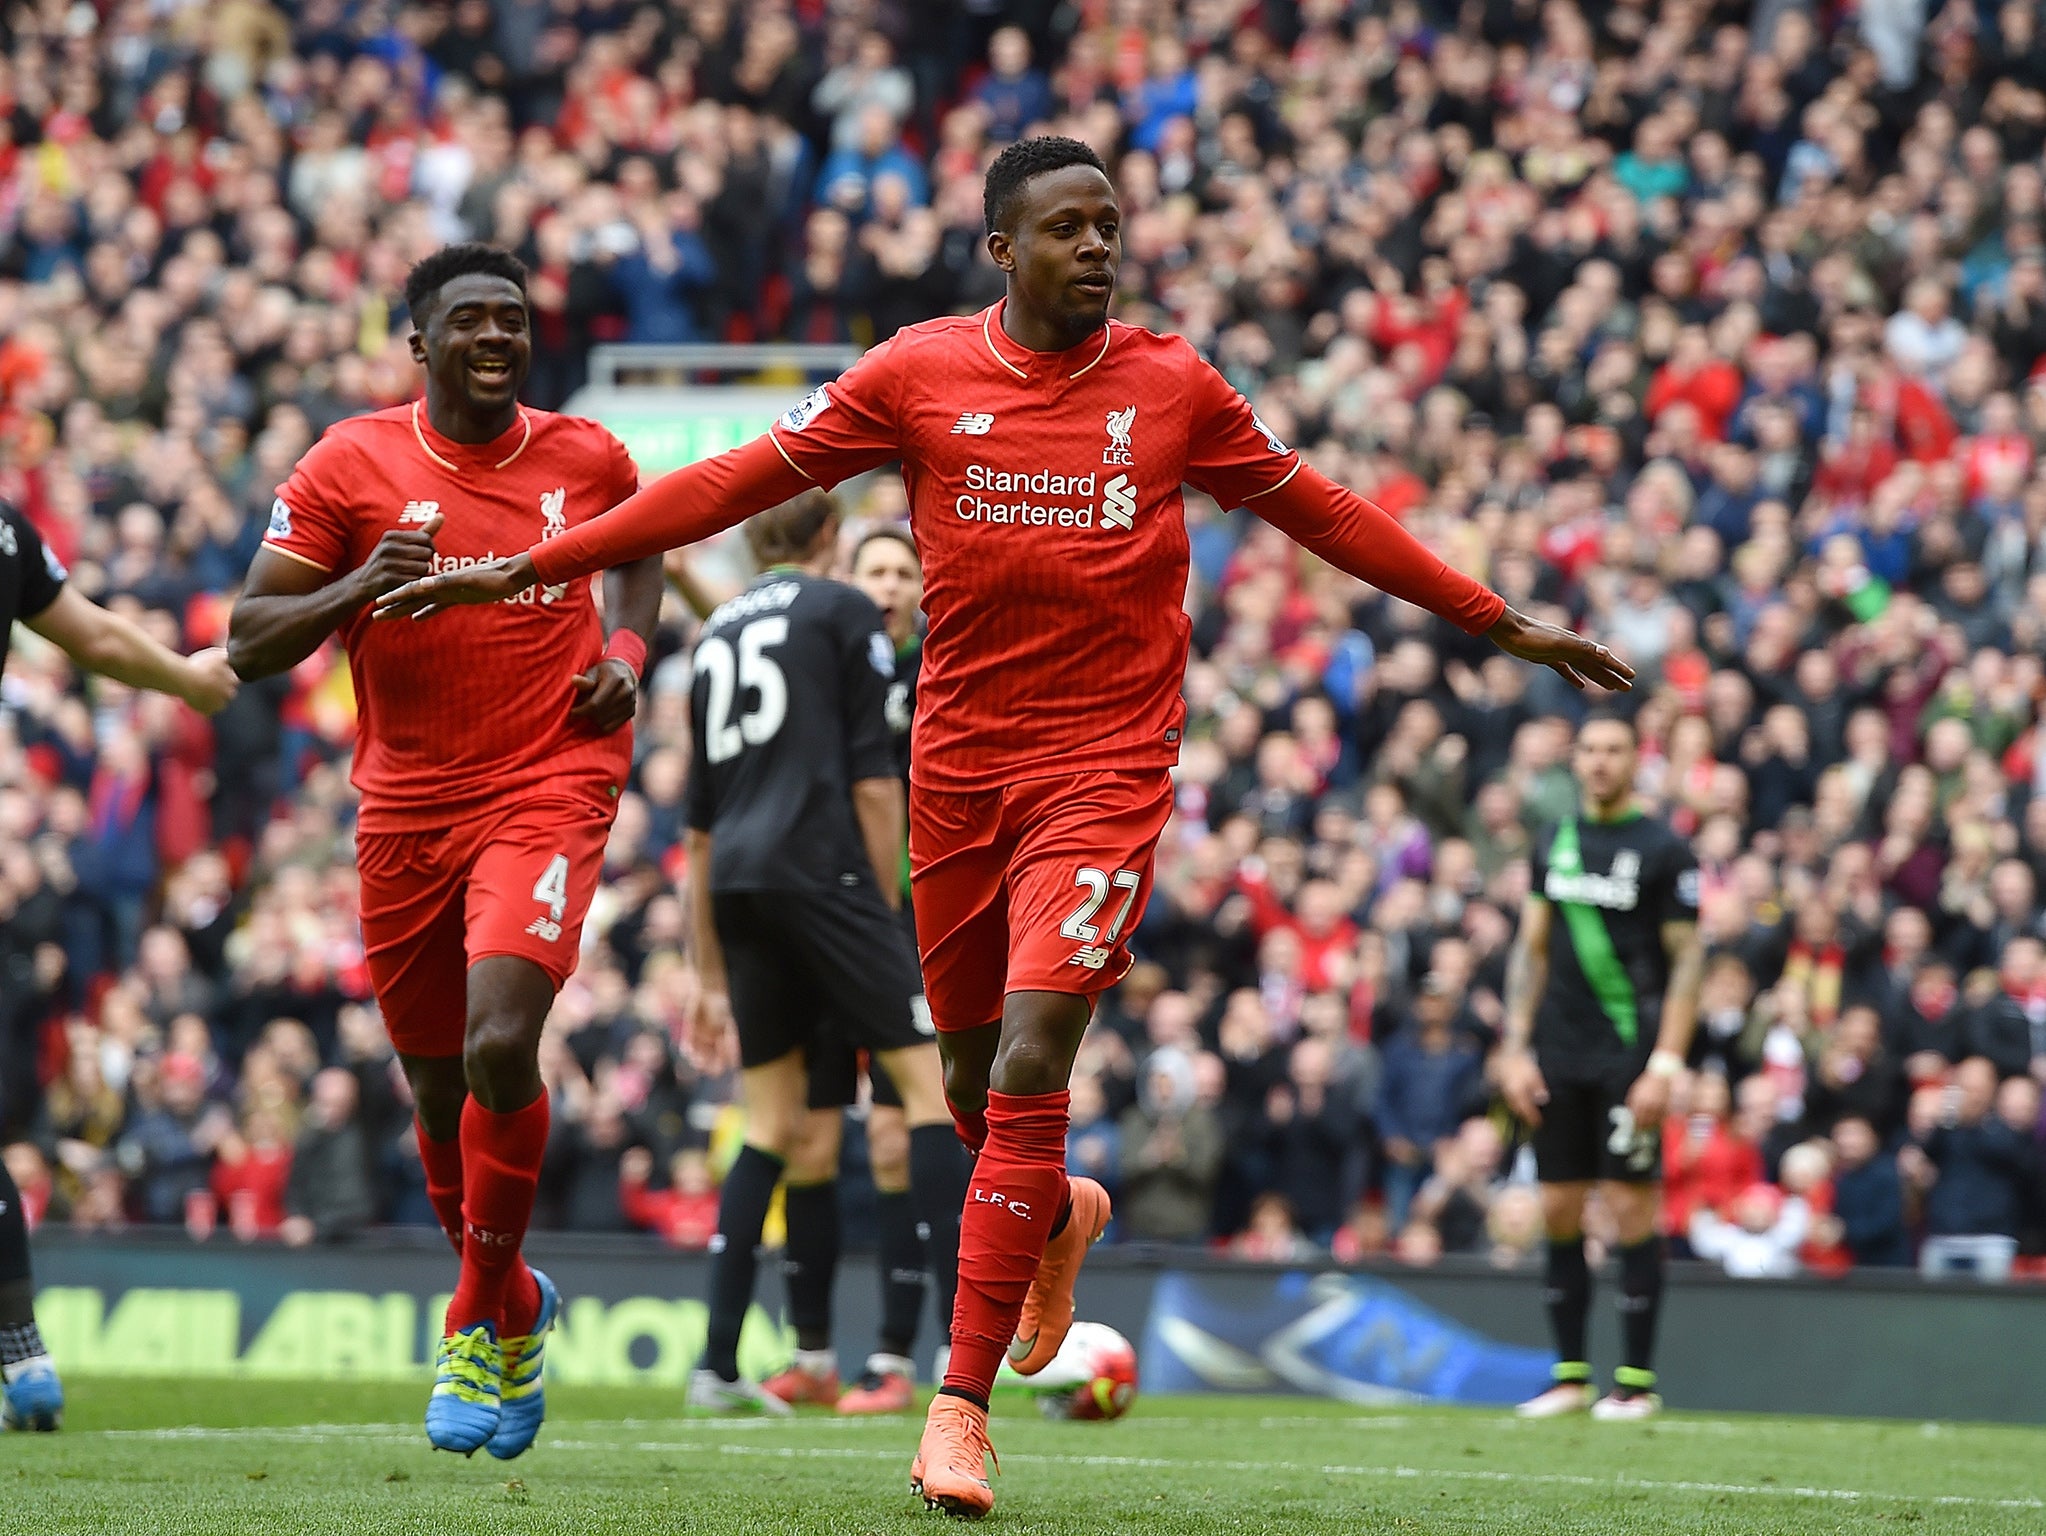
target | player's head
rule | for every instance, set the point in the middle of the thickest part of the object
(1607, 755)
(798, 532)
(885, 567)
(1054, 226)
(471, 326)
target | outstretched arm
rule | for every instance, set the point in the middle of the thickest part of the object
(1364, 541)
(104, 642)
(684, 507)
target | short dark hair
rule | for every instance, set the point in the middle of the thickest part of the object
(889, 533)
(1015, 166)
(786, 533)
(1609, 716)
(425, 281)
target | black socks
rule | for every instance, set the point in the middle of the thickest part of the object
(902, 1272)
(810, 1261)
(1566, 1292)
(742, 1211)
(1641, 1273)
(939, 1169)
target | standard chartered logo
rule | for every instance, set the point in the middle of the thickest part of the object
(1042, 499)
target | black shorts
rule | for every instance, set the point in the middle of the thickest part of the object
(836, 1064)
(1587, 1132)
(807, 970)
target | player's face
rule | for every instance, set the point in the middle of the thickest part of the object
(1066, 248)
(889, 574)
(1605, 761)
(477, 344)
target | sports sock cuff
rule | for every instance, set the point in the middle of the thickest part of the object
(1031, 1126)
(20, 1343)
(1634, 1378)
(1065, 1215)
(970, 1125)
(1569, 1372)
(17, 1302)
(973, 1398)
(518, 1136)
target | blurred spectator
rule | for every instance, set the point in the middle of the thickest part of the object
(1759, 1238)
(1271, 1236)
(1868, 1197)
(1013, 92)
(328, 1196)
(167, 1151)
(1171, 1149)
(685, 1214)
(1706, 1161)
(1093, 1143)
(1978, 1174)
(1308, 1137)
(251, 1175)
(1429, 1083)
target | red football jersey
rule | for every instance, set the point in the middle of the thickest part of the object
(471, 705)
(1044, 492)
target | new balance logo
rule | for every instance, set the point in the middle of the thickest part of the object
(997, 1198)
(544, 928)
(973, 424)
(1092, 956)
(418, 511)
(1119, 503)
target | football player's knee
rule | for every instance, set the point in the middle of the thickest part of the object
(813, 1157)
(1031, 1062)
(1563, 1209)
(500, 1050)
(439, 1085)
(965, 1083)
(888, 1149)
(920, 1082)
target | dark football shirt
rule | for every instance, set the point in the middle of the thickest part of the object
(789, 709)
(1613, 886)
(30, 576)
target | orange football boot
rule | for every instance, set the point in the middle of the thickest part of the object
(801, 1388)
(1048, 1309)
(950, 1470)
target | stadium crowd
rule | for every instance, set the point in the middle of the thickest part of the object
(1716, 328)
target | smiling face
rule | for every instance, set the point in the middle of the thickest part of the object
(1064, 250)
(476, 345)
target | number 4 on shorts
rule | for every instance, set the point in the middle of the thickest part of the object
(552, 886)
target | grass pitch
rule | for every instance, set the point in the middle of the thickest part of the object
(275, 1459)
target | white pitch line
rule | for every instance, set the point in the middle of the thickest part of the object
(320, 1434)
(1402, 1473)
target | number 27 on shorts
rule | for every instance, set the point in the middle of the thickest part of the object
(1096, 946)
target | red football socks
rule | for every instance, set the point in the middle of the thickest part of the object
(1019, 1185)
(971, 1125)
(443, 1163)
(500, 1175)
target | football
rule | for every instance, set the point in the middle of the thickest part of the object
(1093, 1376)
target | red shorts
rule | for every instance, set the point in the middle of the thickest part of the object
(1033, 887)
(515, 880)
